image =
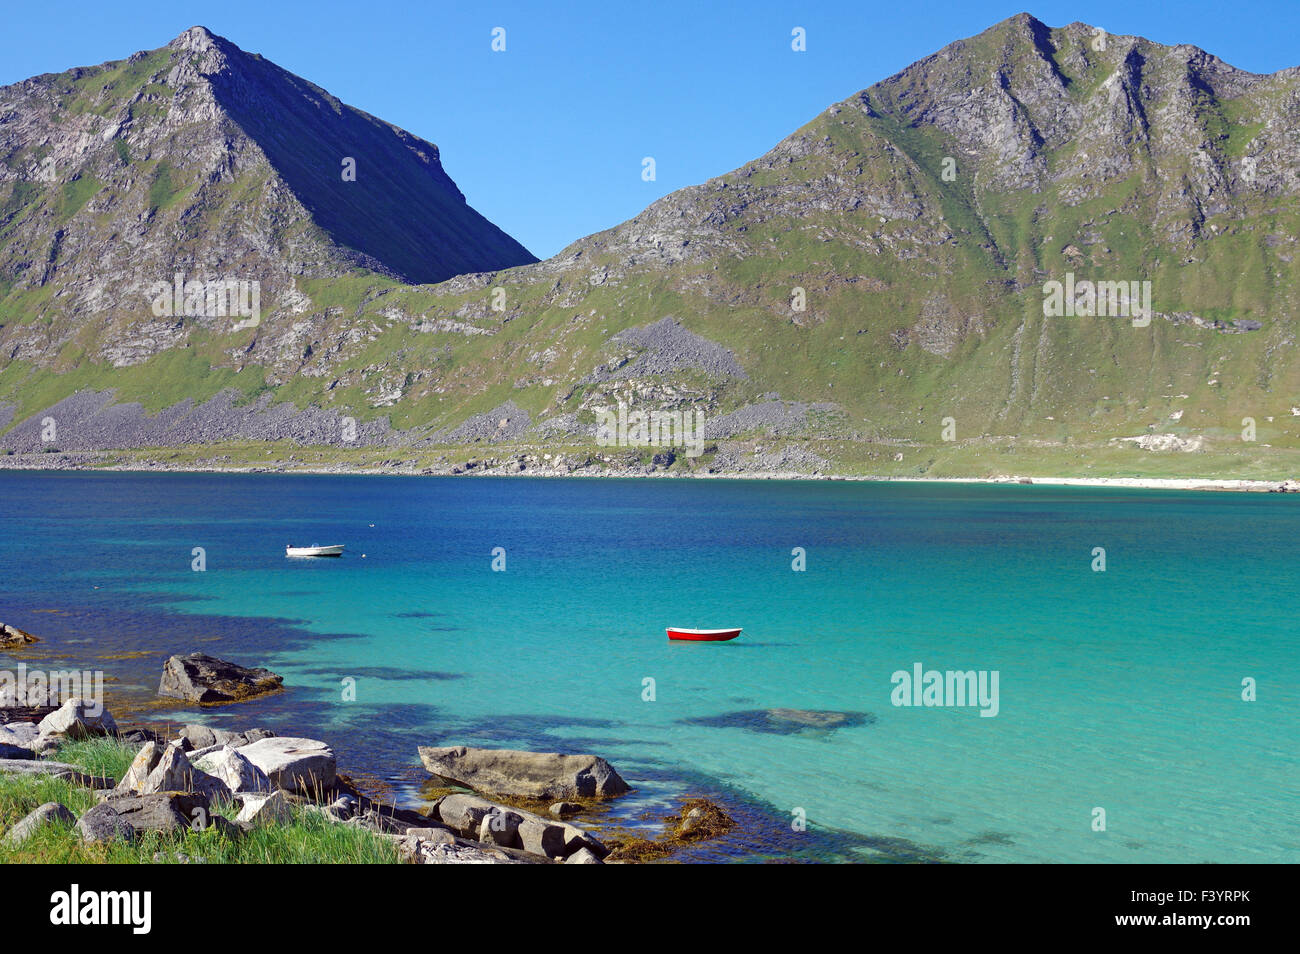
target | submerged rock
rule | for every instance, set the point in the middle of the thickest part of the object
(208, 680)
(511, 773)
(784, 721)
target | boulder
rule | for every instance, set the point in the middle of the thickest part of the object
(8, 751)
(583, 856)
(295, 765)
(236, 772)
(475, 817)
(102, 823)
(11, 637)
(564, 809)
(161, 811)
(73, 773)
(429, 852)
(165, 768)
(501, 827)
(139, 736)
(49, 813)
(203, 737)
(78, 719)
(19, 733)
(261, 810)
(510, 773)
(207, 680)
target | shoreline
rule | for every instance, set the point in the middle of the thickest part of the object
(1221, 484)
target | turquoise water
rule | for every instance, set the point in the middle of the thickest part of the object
(1118, 689)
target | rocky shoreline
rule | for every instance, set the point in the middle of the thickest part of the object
(519, 466)
(491, 806)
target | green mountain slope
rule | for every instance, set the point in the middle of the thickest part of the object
(917, 222)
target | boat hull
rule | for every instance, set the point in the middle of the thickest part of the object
(313, 551)
(702, 635)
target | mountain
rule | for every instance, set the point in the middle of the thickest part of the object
(920, 223)
(203, 159)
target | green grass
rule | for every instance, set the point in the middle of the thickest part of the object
(308, 840)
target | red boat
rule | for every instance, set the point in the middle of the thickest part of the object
(702, 635)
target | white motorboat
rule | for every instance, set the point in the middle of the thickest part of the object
(331, 551)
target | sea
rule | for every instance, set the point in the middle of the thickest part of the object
(1137, 649)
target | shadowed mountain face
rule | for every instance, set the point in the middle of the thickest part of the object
(203, 159)
(881, 270)
(402, 211)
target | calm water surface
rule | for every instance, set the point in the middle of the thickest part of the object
(1119, 690)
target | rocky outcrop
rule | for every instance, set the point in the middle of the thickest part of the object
(207, 680)
(512, 773)
(11, 637)
(489, 823)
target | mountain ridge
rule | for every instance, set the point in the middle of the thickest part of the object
(1070, 151)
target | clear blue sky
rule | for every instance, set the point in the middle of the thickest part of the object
(546, 139)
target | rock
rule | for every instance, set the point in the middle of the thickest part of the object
(73, 773)
(815, 718)
(161, 811)
(8, 751)
(165, 768)
(207, 680)
(501, 827)
(583, 856)
(180, 858)
(474, 817)
(203, 737)
(235, 771)
(19, 733)
(11, 637)
(700, 819)
(345, 806)
(373, 820)
(430, 852)
(510, 773)
(438, 836)
(261, 810)
(79, 719)
(295, 765)
(139, 736)
(564, 809)
(102, 823)
(49, 813)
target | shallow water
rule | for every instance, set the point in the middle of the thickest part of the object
(1118, 690)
